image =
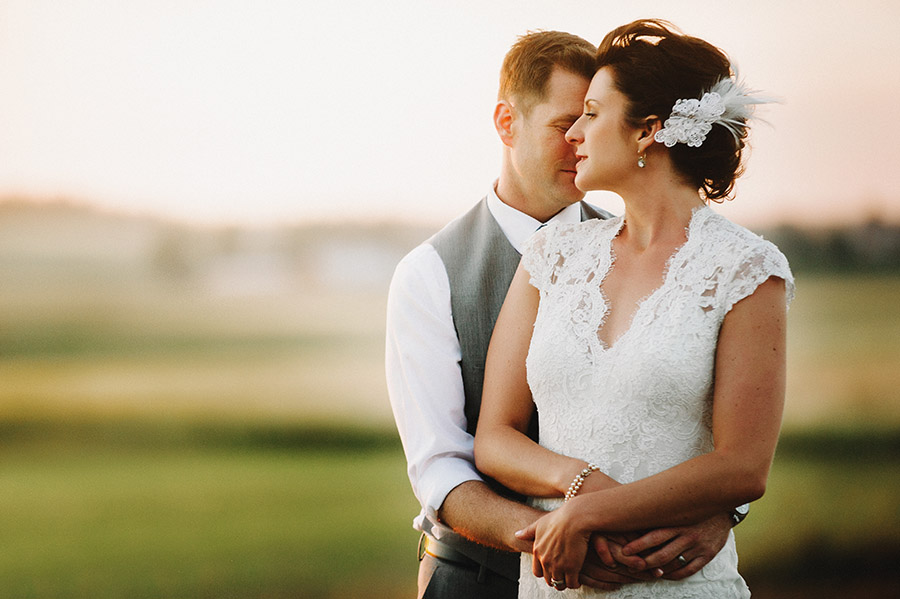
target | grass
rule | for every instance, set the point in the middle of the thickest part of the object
(133, 350)
(137, 509)
(164, 443)
(843, 352)
(831, 512)
(225, 517)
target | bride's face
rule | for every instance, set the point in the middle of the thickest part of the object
(605, 144)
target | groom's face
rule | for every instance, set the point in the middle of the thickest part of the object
(543, 161)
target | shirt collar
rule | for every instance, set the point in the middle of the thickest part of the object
(518, 226)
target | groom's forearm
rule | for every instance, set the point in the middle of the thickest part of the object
(478, 513)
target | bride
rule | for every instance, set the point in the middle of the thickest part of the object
(651, 345)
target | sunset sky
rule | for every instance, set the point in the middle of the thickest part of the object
(279, 111)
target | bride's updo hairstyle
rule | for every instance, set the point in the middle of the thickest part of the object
(654, 65)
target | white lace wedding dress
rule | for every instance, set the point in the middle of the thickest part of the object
(644, 404)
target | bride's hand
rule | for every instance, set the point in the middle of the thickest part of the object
(559, 548)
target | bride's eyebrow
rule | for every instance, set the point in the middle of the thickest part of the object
(590, 101)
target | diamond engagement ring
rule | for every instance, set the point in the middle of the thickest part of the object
(681, 560)
(559, 585)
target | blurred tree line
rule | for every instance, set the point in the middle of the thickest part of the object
(78, 237)
(871, 247)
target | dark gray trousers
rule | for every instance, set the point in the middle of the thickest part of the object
(442, 579)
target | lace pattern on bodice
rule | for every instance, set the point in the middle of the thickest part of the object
(643, 404)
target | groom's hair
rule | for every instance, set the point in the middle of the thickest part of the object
(529, 64)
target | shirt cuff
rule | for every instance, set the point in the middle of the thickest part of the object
(442, 477)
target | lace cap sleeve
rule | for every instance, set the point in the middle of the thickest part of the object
(536, 256)
(761, 261)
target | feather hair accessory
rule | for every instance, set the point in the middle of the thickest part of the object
(729, 103)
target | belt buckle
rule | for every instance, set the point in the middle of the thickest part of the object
(420, 550)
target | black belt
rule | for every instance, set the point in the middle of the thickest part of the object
(467, 554)
(435, 548)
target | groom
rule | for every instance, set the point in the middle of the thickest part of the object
(444, 299)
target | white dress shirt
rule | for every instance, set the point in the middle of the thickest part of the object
(422, 356)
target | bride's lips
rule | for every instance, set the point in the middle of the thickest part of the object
(580, 160)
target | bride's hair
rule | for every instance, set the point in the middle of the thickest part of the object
(654, 65)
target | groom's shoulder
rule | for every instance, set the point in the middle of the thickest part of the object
(429, 255)
(589, 211)
(460, 227)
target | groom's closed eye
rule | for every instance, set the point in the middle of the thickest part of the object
(564, 125)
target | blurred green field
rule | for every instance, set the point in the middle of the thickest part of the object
(120, 346)
(136, 509)
(844, 353)
(182, 520)
(164, 441)
(133, 351)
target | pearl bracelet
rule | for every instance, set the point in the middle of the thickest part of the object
(579, 480)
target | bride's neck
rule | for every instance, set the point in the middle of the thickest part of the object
(658, 215)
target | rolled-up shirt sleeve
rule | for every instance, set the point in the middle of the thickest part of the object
(424, 380)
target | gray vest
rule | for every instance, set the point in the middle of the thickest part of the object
(480, 264)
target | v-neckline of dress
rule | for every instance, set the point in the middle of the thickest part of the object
(639, 306)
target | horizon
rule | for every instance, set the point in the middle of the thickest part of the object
(337, 220)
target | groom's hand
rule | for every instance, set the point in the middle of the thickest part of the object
(697, 544)
(607, 568)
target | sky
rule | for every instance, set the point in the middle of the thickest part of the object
(239, 112)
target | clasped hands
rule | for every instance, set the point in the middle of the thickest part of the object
(570, 557)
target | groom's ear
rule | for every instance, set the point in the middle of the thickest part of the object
(504, 116)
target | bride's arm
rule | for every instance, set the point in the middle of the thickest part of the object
(748, 401)
(502, 448)
(747, 410)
